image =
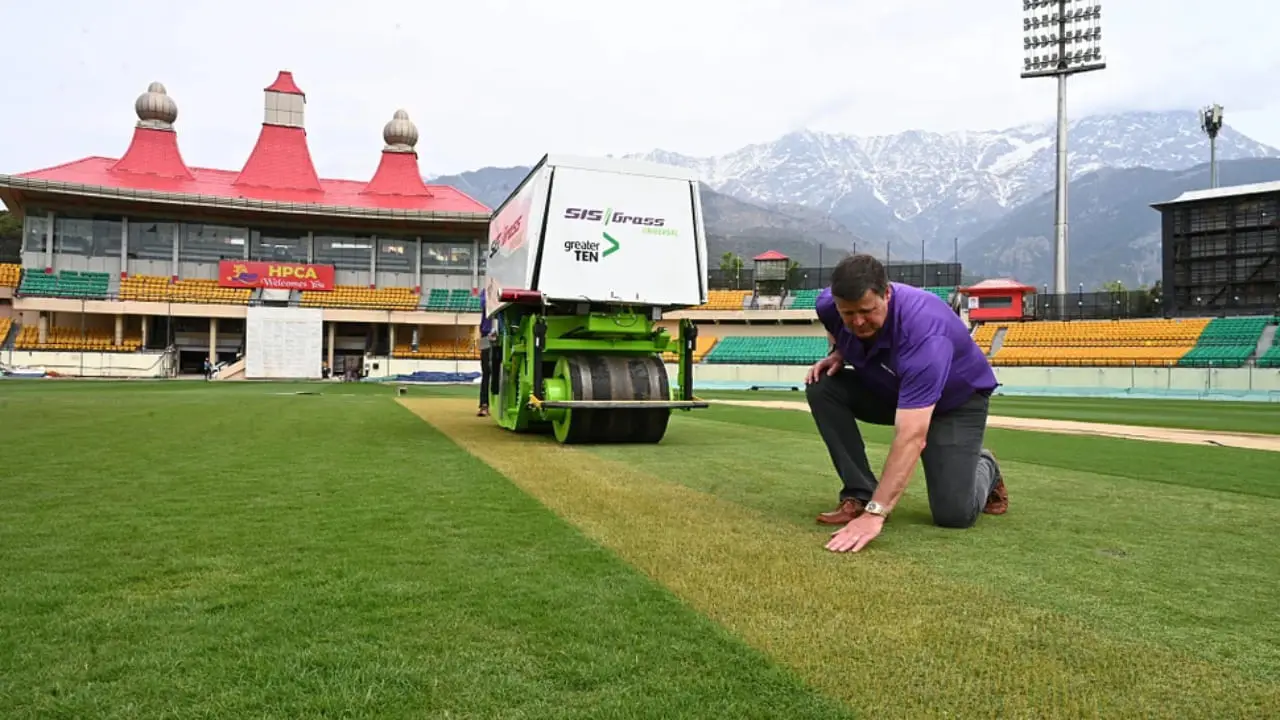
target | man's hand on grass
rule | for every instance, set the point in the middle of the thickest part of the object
(855, 535)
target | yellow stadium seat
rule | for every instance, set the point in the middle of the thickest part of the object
(725, 300)
(701, 346)
(10, 275)
(63, 339)
(357, 296)
(154, 288)
(439, 349)
(985, 334)
(1147, 342)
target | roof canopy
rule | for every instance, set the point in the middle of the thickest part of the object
(770, 255)
(996, 286)
(1218, 193)
(279, 169)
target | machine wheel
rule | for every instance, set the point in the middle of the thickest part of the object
(607, 377)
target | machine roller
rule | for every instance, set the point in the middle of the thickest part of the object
(584, 258)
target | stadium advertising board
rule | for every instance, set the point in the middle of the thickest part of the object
(274, 275)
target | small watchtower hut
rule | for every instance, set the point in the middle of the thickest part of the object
(771, 273)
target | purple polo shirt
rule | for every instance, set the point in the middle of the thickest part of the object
(922, 356)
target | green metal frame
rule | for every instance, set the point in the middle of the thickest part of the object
(532, 399)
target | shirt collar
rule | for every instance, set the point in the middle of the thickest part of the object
(884, 338)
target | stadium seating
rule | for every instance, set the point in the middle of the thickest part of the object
(356, 296)
(65, 284)
(1270, 358)
(985, 334)
(1226, 342)
(725, 300)
(769, 350)
(73, 340)
(1099, 343)
(457, 300)
(941, 291)
(701, 346)
(155, 288)
(804, 299)
(436, 349)
(1089, 356)
(807, 299)
(10, 275)
(6, 324)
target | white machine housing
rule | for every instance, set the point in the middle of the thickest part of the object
(600, 230)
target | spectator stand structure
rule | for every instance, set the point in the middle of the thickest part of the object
(1221, 251)
(132, 259)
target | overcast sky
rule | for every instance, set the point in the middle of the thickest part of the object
(499, 83)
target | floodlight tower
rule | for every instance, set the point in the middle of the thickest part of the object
(1061, 38)
(1211, 123)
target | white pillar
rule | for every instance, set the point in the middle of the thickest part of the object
(48, 242)
(213, 340)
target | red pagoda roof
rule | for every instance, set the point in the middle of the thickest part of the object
(280, 160)
(770, 255)
(279, 169)
(284, 84)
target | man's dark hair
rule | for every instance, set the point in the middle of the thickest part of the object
(856, 274)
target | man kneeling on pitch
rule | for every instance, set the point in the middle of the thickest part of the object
(914, 366)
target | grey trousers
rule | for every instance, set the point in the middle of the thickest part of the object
(959, 473)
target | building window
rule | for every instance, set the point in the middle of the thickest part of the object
(37, 226)
(211, 243)
(151, 240)
(999, 302)
(278, 246)
(395, 254)
(343, 252)
(450, 257)
(92, 237)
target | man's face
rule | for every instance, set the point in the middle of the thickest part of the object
(865, 317)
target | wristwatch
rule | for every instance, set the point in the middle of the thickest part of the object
(875, 508)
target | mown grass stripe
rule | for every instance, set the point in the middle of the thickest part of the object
(1237, 470)
(885, 635)
(223, 555)
(1117, 554)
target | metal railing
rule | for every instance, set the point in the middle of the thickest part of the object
(815, 278)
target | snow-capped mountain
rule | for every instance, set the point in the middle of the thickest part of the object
(937, 186)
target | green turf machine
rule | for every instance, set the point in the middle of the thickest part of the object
(585, 257)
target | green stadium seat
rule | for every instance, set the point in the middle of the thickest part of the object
(1271, 358)
(438, 299)
(768, 350)
(804, 299)
(1226, 342)
(941, 291)
(65, 283)
(457, 300)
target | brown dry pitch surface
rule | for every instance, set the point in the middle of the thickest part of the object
(1251, 441)
(882, 632)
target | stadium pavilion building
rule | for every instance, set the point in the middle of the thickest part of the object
(147, 266)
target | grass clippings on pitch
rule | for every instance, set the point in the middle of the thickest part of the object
(880, 630)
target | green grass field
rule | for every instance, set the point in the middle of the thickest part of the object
(238, 550)
(1247, 417)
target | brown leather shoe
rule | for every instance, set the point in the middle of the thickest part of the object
(998, 500)
(848, 510)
